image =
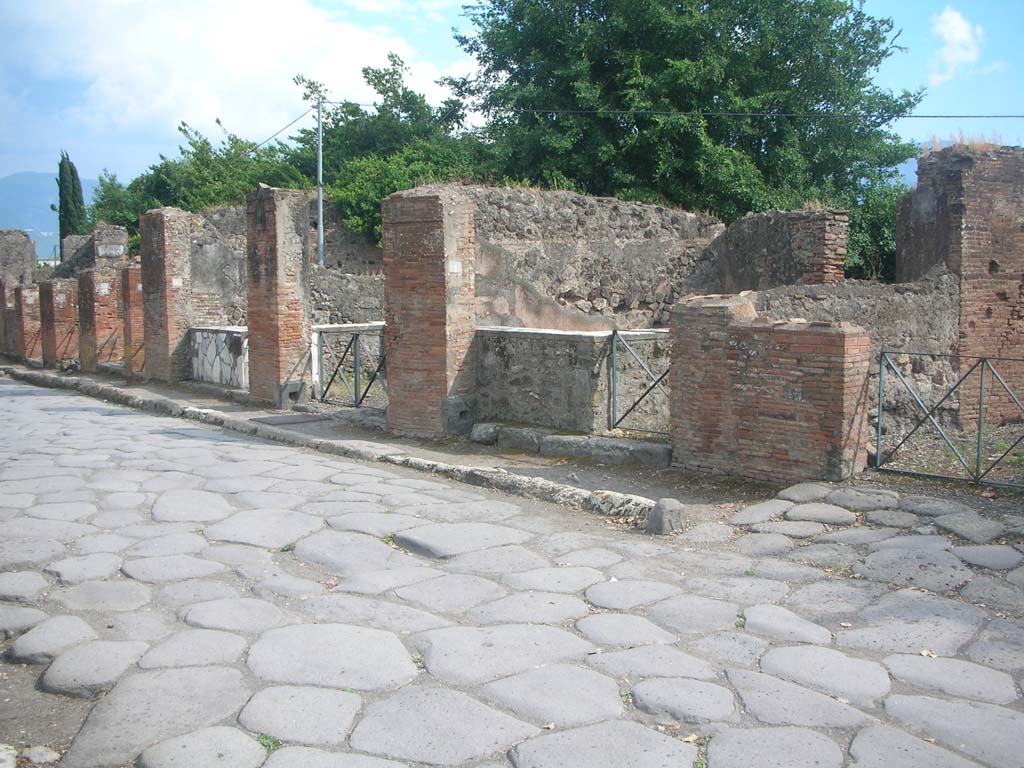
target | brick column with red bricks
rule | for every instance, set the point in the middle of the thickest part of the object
(27, 337)
(777, 401)
(167, 291)
(429, 310)
(278, 271)
(6, 331)
(100, 325)
(133, 316)
(58, 316)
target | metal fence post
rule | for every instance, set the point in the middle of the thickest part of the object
(613, 389)
(878, 430)
(981, 420)
(358, 364)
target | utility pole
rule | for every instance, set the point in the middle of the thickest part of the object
(320, 180)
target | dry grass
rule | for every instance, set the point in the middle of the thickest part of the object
(961, 140)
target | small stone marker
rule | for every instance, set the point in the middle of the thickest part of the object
(667, 517)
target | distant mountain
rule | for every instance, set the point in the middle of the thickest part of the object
(25, 200)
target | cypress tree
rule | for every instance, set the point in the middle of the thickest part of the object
(71, 214)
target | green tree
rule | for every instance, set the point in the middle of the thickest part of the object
(872, 244)
(729, 106)
(71, 214)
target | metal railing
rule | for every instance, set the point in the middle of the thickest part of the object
(355, 368)
(977, 467)
(656, 384)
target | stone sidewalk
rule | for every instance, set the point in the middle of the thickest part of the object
(231, 602)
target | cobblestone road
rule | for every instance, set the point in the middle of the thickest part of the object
(228, 602)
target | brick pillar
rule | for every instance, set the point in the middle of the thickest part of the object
(5, 347)
(279, 319)
(133, 317)
(777, 401)
(429, 310)
(27, 338)
(167, 291)
(58, 315)
(100, 325)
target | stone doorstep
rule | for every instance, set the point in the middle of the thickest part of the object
(609, 450)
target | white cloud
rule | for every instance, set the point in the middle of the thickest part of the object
(961, 44)
(145, 65)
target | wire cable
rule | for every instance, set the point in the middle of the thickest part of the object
(278, 133)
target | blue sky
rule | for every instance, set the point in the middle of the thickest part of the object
(109, 80)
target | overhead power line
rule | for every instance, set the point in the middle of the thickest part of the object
(278, 133)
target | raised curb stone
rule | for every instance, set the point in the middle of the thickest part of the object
(436, 726)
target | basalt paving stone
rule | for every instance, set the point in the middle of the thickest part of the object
(1016, 577)
(761, 513)
(104, 596)
(971, 526)
(847, 678)
(149, 707)
(375, 523)
(935, 570)
(66, 511)
(353, 609)
(273, 528)
(190, 506)
(862, 500)
(377, 582)
(511, 558)
(773, 748)
(931, 507)
(836, 556)
(594, 557)
(778, 702)
(473, 655)
(530, 608)
(144, 531)
(193, 591)
(909, 621)
(453, 593)
(555, 579)
(102, 542)
(243, 614)
(16, 553)
(21, 586)
(183, 543)
(147, 627)
(954, 677)
(160, 570)
(706, 533)
(172, 480)
(444, 540)
(116, 519)
(816, 512)
(989, 733)
(195, 648)
(801, 493)
(651, 661)
(33, 528)
(997, 557)
(882, 746)
(265, 500)
(857, 537)
(731, 648)
(740, 589)
(302, 714)
(286, 585)
(835, 597)
(689, 701)
(621, 629)
(346, 554)
(994, 593)
(892, 517)
(612, 744)
(209, 747)
(780, 623)
(629, 593)
(797, 529)
(343, 503)
(763, 544)
(75, 570)
(912, 541)
(237, 554)
(333, 655)
(436, 726)
(91, 668)
(561, 694)
(239, 484)
(690, 614)
(48, 639)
